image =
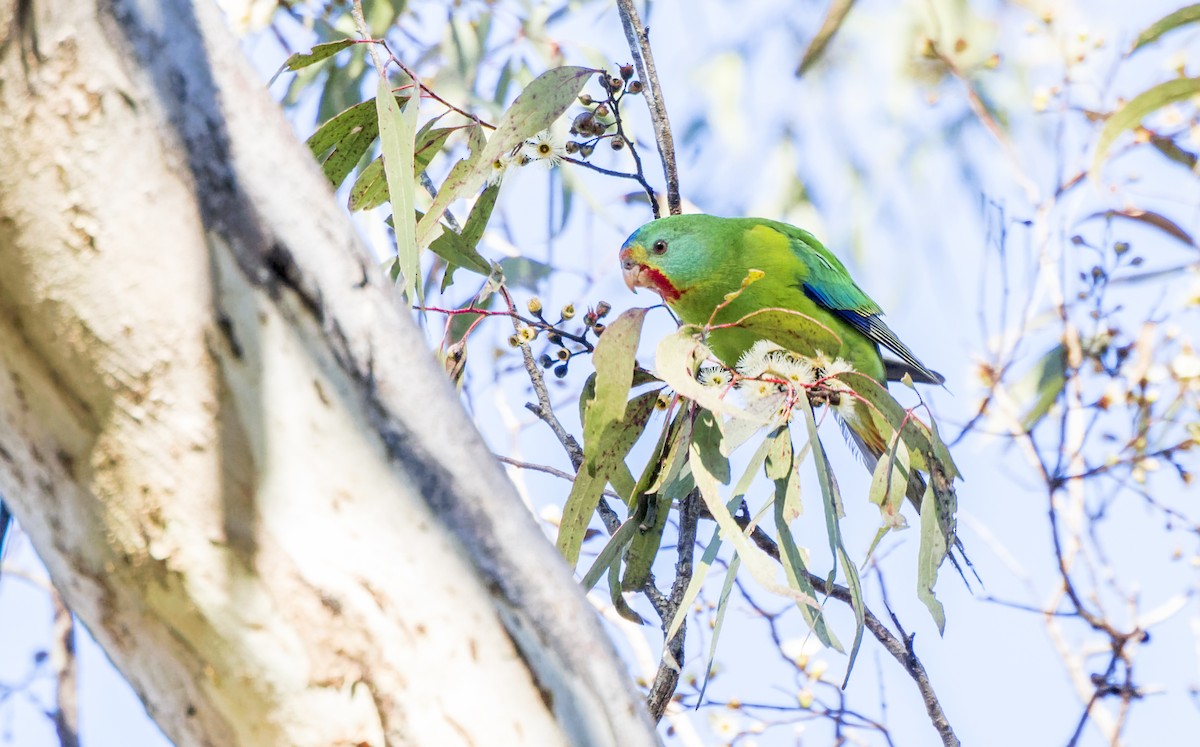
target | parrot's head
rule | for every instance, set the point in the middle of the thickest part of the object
(666, 255)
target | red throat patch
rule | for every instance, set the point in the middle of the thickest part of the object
(649, 277)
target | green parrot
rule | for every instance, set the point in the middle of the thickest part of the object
(695, 261)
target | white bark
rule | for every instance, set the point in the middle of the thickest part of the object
(243, 470)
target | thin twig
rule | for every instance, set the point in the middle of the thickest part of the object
(643, 58)
(551, 471)
(62, 658)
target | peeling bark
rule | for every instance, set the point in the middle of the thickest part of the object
(221, 436)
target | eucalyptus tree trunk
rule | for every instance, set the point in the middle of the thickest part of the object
(224, 438)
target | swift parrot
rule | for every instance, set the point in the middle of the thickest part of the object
(695, 261)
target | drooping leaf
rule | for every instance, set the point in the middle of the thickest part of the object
(611, 426)
(710, 469)
(735, 563)
(535, 109)
(657, 489)
(397, 130)
(1135, 110)
(781, 469)
(929, 558)
(833, 512)
(611, 553)
(1170, 22)
(468, 240)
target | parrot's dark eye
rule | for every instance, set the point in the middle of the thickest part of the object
(660, 247)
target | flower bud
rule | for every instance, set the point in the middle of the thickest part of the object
(534, 305)
(603, 308)
(601, 111)
(585, 99)
(571, 146)
(617, 142)
(634, 87)
(586, 150)
(560, 370)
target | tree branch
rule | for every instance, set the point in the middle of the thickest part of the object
(639, 46)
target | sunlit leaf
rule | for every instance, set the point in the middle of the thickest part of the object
(1135, 110)
(535, 109)
(397, 129)
(677, 358)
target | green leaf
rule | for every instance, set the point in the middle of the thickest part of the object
(611, 553)
(1183, 16)
(833, 512)
(370, 189)
(611, 426)
(537, 107)
(341, 142)
(458, 251)
(722, 604)
(662, 469)
(709, 469)
(603, 458)
(472, 232)
(317, 54)
(614, 362)
(790, 329)
(1135, 110)
(834, 17)
(781, 468)
(397, 130)
(1038, 390)
(929, 558)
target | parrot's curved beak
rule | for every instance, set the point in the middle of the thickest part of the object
(632, 270)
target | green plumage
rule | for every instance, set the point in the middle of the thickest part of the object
(695, 261)
(705, 258)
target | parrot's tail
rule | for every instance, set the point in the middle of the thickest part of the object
(871, 446)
